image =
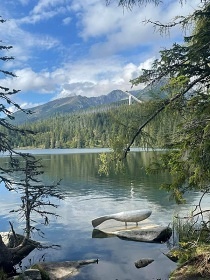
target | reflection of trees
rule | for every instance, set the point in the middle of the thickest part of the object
(80, 171)
(71, 167)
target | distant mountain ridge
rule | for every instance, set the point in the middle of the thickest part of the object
(69, 104)
(78, 103)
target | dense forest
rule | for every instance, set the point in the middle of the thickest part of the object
(98, 128)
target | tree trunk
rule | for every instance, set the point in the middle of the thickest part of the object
(14, 251)
(6, 258)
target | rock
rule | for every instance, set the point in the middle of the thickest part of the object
(143, 262)
(32, 274)
(173, 254)
(96, 233)
(62, 270)
(148, 233)
(157, 234)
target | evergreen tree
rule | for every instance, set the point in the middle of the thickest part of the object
(35, 196)
(187, 67)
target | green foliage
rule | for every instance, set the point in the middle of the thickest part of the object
(6, 118)
(43, 273)
(17, 176)
(187, 67)
(193, 237)
(36, 197)
(104, 167)
(86, 130)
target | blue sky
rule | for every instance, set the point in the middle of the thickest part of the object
(83, 47)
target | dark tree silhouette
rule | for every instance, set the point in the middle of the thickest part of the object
(21, 174)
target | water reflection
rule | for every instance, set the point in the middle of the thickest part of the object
(79, 173)
(89, 195)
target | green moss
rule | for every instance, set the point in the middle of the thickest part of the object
(197, 267)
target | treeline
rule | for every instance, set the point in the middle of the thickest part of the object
(97, 129)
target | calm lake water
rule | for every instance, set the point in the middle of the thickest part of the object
(89, 195)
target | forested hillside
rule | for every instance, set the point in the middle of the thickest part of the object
(97, 128)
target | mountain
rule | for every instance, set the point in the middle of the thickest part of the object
(77, 103)
(69, 105)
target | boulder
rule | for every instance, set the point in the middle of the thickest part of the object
(157, 234)
(142, 232)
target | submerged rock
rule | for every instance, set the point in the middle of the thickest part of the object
(62, 270)
(143, 262)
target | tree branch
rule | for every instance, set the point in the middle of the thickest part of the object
(166, 102)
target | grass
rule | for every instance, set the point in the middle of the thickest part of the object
(44, 274)
(193, 249)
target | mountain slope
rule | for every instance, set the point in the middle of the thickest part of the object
(72, 104)
(68, 105)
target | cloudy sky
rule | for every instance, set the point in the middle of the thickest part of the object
(82, 47)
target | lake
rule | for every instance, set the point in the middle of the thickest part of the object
(89, 195)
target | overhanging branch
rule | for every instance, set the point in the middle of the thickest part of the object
(165, 104)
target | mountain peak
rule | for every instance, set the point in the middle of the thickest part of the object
(75, 103)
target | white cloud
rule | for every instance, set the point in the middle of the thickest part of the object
(94, 68)
(44, 10)
(123, 29)
(23, 105)
(67, 20)
(97, 77)
(24, 2)
(47, 5)
(24, 43)
(87, 78)
(99, 20)
(33, 18)
(28, 80)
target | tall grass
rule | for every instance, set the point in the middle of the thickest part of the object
(189, 233)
